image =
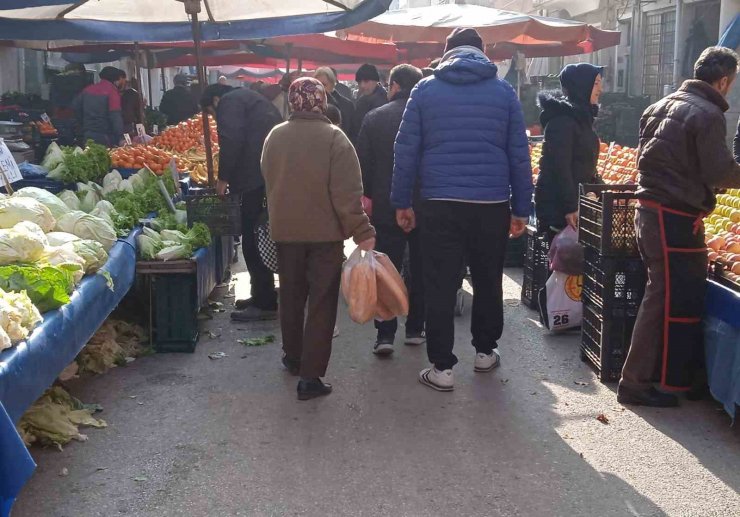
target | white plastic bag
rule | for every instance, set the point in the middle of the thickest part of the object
(564, 306)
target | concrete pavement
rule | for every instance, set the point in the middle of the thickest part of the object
(227, 437)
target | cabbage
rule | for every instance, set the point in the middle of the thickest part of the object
(70, 199)
(65, 258)
(18, 316)
(24, 243)
(137, 182)
(173, 235)
(4, 340)
(60, 238)
(91, 252)
(179, 251)
(52, 157)
(16, 209)
(113, 178)
(148, 247)
(126, 185)
(56, 206)
(104, 209)
(88, 201)
(88, 226)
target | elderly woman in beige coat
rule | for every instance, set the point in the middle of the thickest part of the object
(314, 184)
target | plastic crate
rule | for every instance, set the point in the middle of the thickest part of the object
(222, 216)
(607, 223)
(536, 267)
(605, 338)
(515, 250)
(613, 281)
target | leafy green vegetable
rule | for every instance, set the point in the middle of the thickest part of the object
(199, 236)
(48, 287)
(91, 164)
(257, 341)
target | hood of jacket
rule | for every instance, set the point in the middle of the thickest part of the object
(555, 104)
(465, 65)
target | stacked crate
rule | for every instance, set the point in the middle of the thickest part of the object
(613, 278)
(536, 267)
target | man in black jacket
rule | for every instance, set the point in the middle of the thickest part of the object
(372, 95)
(178, 104)
(245, 118)
(375, 151)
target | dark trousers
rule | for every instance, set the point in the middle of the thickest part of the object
(392, 240)
(451, 232)
(309, 273)
(262, 279)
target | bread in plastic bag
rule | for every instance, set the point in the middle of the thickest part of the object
(393, 297)
(359, 286)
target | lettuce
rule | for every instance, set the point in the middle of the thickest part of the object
(56, 206)
(25, 243)
(199, 236)
(48, 287)
(60, 238)
(70, 199)
(179, 251)
(13, 210)
(91, 252)
(52, 157)
(88, 226)
(18, 316)
(148, 247)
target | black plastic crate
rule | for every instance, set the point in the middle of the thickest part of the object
(607, 223)
(515, 250)
(536, 267)
(175, 308)
(613, 281)
(222, 216)
(606, 337)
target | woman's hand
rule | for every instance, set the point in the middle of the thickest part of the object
(367, 244)
(572, 220)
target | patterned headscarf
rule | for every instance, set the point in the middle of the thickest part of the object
(308, 95)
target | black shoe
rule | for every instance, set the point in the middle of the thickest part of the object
(313, 388)
(650, 397)
(243, 304)
(384, 346)
(253, 314)
(293, 366)
(415, 338)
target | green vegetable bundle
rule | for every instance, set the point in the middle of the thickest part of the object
(48, 287)
(172, 244)
(72, 165)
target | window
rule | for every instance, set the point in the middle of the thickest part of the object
(660, 33)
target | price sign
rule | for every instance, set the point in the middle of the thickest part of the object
(155, 129)
(127, 138)
(140, 130)
(7, 164)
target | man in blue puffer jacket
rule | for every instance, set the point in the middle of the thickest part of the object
(464, 141)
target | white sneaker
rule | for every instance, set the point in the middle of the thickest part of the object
(486, 362)
(336, 331)
(440, 381)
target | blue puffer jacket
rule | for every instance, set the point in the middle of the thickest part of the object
(463, 136)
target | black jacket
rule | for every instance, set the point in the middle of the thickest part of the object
(346, 108)
(365, 104)
(178, 104)
(570, 154)
(375, 151)
(244, 119)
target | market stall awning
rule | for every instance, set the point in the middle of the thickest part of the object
(423, 30)
(166, 20)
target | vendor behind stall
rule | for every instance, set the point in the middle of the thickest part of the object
(98, 108)
(683, 158)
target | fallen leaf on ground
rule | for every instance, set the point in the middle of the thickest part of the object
(504, 381)
(101, 468)
(64, 472)
(141, 479)
(602, 418)
(580, 383)
(257, 341)
(217, 355)
(213, 335)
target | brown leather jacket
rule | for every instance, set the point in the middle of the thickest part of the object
(683, 153)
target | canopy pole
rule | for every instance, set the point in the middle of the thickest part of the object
(149, 80)
(192, 7)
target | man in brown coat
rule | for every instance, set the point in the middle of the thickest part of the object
(683, 158)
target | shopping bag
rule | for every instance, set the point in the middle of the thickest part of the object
(566, 253)
(393, 298)
(266, 247)
(563, 309)
(359, 286)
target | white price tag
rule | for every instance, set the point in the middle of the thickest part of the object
(140, 130)
(155, 129)
(127, 138)
(8, 165)
(45, 118)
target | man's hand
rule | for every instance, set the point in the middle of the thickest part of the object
(572, 220)
(367, 244)
(517, 227)
(406, 219)
(221, 187)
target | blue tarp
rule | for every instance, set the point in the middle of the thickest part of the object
(722, 343)
(94, 30)
(731, 37)
(29, 368)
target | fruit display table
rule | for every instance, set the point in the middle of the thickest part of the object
(29, 368)
(722, 342)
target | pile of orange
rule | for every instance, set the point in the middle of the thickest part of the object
(617, 168)
(138, 156)
(187, 135)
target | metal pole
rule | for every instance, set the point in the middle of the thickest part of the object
(677, 46)
(149, 82)
(193, 8)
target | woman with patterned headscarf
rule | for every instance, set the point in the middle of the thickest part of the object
(314, 185)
